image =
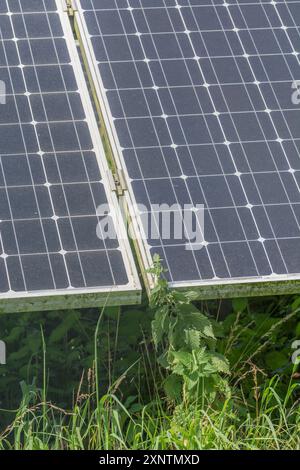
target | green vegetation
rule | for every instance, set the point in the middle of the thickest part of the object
(174, 374)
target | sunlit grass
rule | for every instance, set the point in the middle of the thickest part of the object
(259, 413)
(109, 425)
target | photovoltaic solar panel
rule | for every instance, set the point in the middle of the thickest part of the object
(52, 172)
(197, 97)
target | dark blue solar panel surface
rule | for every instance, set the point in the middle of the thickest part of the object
(200, 92)
(50, 182)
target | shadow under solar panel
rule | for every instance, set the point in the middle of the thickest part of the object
(53, 173)
(199, 102)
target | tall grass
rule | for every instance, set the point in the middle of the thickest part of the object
(106, 423)
(109, 425)
(116, 421)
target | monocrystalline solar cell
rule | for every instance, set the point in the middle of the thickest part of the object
(198, 99)
(52, 172)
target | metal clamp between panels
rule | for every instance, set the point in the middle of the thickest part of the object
(120, 182)
(69, 7)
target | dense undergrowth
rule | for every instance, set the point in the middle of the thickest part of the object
(173, 375)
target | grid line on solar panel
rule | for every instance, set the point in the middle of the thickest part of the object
(204, 88)
(51, 177)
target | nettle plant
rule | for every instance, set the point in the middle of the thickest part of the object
(186, 342)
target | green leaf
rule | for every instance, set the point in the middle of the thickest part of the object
(14, 334)
(192, 380)
(239, 305)
(217, 328)
(173, 387)
(180, 297)
(220, 363)
(182, 357)
(180, 369)
(158, 324)
(201, 356)
(157, 332)
(192, 339)
(192, 296)
(163, 360)
(296, 303)
(201, 323)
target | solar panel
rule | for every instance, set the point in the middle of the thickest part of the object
(197, 98)
(53, 172)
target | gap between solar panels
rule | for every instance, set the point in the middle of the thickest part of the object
(191, 96)
(56, 195)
